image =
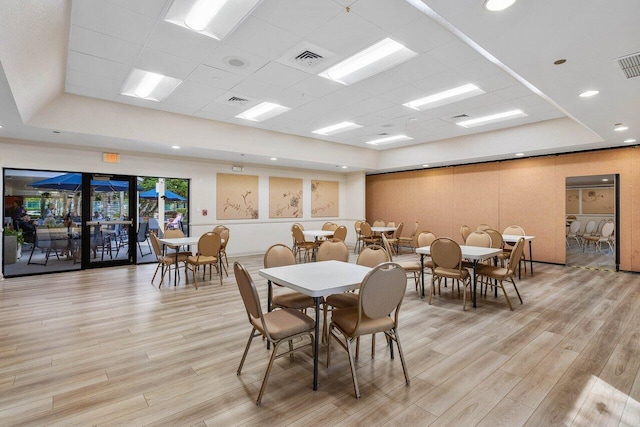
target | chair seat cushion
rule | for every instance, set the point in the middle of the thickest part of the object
(451, 273)
(493, 272)
(346, 318)
(295, 300)
(201, 259)
(343, 300)
(283, 323)
(411, 265)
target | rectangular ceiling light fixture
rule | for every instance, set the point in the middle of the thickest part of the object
(147, 85)
(262, 112)
(337, 128)
(445, 97)
(507, 115)
(375, 59)
(389, 139)
(213, 18)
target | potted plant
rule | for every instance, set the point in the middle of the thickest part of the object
(13, 240)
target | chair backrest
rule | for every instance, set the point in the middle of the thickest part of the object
(173, 233)
(398, 232)
(446, 253)
(300, 226)
(155, 244)
(378, 223)
(279, 255)
(601, 224)
(224, 234)
(356, 226)
(479, 238)
(382, 291)
(365, 230)
(249, 295)
(209, 244)
(415, 230)
(372, 255)
(483, 227)
(218, 228)
(573, 228)
(465, 230)
(425, 238)
(591, 225)
(497, 242)
(516, 230)
(143, 228)
(329, 226)
(516, 255)
(387, 247)
(607, 229)
(298, 236)
(340, 233)
(333, 249)
(391, 224)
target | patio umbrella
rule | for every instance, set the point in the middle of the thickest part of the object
(73, 182)
(169, 195)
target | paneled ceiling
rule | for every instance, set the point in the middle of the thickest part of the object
(509, 55)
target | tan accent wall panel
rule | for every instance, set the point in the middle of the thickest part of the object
(285, 197)
(237, 196)
(527, 192)
(325, 198)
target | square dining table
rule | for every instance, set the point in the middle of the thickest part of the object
(317, 279)
(471, 253)
(175, 243)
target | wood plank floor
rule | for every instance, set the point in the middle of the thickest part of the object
(105, 347)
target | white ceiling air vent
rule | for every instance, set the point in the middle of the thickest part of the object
(308, 58)
(630, 65)
(236, 100)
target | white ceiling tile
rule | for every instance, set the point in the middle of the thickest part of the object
(189, 89)
(317, 87)
(346, 34)
(454, 53)
(90, 93)
(394, 112)
(152, 8)
(368, 106)
(422, 35)
(292, 98)
(103, 46)
(418, 68)
(261, 38)
(335, 101)
(90, 81)
(218, 111)
(180, 105)
(390, 15)
(480, 67)
(442, 81)
(163, 63)
(256, 89)
(300, 17)
(379, 83)
(512, 92)
(181, 43)
(221, 56)
(214, 77)
(112, 20)
(279, 75)
(98, 66)
(403, 94)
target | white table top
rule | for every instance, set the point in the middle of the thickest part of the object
(512, 238)
(318, 279)
(468, 252)
(175, 242)
(110, 222)
(317, 233)
(383, 229)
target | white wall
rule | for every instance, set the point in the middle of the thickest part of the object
(247, 236)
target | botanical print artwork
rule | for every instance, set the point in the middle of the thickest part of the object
(325, 198)
(237, 196)
(285, 197)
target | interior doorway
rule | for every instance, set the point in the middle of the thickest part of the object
(592, 218)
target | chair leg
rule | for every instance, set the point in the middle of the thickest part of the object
(516, 288)
(404, 364)
(266, 374)
(505, 295)
(352, 363)
(246, 350)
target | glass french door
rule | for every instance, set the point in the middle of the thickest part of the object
(109, 233)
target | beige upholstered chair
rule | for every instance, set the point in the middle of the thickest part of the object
(358, 245)
(340, 233)
(329, 226)
(208, 254)
(224, 240)
(176, 233)
(413, 267)
(280, 255)
(378, 223)
(592, 237)
(483, 227)
(606, 238)
(516, 230)
(478, 238)
(589, 230)
(282, 325)
(165, 261)
(301, 244)
(408, 241)
(394, 240)
(447, 264)
(465, 230)
(333, 249)
(500, 274)
(573, 234)
(367, 235)
(426, 238)
(497, 243)
(294, 247)
(379, 301)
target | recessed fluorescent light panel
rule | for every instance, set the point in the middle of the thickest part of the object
(589, 93)
(507, 115)
(445, 97)
(373, 60)
(497, 5)
(337, 128)
(389, 139)
(147, 85)
(262, 112)
(212, 18)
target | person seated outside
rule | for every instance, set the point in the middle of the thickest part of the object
(97, 216)
(17, 211)
(28, 228)
(50, 211)
(175, 223)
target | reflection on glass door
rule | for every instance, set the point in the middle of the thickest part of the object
(109, 237)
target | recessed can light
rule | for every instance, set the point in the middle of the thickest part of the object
(175, 147)
(425, 166)
(629, 141)
(343, 166)
(605, 180)
(274, 159)
(519, 154)
(498, 5)
(589, 93)
(620, 128)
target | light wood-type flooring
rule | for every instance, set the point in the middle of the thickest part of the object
(105, 347)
